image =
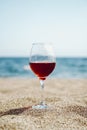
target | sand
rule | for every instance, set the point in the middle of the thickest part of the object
(66, 98)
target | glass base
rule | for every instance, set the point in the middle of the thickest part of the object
(40, 106)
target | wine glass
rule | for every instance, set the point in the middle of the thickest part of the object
(42, 62)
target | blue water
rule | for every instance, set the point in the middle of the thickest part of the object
(65, 68)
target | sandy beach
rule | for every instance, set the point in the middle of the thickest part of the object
(66, 98)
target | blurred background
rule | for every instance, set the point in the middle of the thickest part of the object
(60, 22)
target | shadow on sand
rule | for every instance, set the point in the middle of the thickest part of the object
(24, 111)
(82, 111)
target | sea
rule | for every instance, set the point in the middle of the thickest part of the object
(65, 68)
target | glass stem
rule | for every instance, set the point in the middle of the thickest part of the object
(42, 95)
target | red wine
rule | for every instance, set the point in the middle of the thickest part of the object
(42, 69)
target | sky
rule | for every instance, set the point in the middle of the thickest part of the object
(60, 22)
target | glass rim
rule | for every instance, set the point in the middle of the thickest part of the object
(41, 43)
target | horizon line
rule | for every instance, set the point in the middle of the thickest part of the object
(56, 56)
